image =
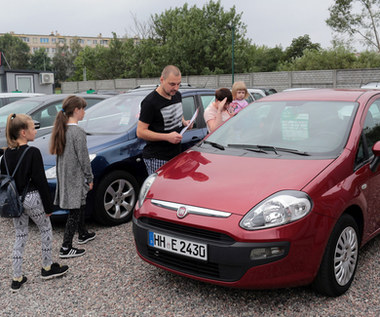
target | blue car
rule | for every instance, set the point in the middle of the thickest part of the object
(116, 152)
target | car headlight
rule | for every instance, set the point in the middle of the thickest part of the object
(51, 172)
(145, 188)
(279, 209)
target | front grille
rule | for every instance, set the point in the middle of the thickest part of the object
(191, 231)
(226, 270)
(187, 265)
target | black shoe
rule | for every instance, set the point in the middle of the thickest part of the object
(55, 271)
(71, 253)
(16, 285)
(86, 237)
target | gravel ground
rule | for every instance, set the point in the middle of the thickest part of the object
(111, 280)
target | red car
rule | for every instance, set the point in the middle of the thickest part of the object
(283, 194)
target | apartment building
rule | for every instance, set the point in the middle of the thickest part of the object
(50, 42)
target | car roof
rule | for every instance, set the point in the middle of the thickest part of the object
(19, 94)
(153, 86)
(54, 97)
(298, 88)
(258, 90)
(47, 99)
(321, 94)
(267, 91)
(372, 84)
(181, 90)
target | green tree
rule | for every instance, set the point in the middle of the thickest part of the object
(298, 45)
(144, 59)
(16, 52)
(199, 41)
(63, 60)
(367, 60)
(338, 58)
(85, 63)
(40, 60)
(114, 61)
(104, 62)
(264, 59)
(357, 17)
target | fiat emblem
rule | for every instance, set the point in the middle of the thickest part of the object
(181, 212)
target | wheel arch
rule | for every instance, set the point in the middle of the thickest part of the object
(134, 166)
(356, 212)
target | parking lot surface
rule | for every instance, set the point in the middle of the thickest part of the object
(111, 280)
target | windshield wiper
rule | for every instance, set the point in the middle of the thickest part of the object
(215, 145)
(282, 149)
(268, 147)
(247, 147)
(262, 148)
(293, 151)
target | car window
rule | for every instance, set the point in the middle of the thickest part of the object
(91, 101)
(250, 99)
(257, 96)
(46, 116)
(188, 106)
(21, 106)
(361, 155)
(371, 129)
(315, 127)
(114, 115)
(206, 100)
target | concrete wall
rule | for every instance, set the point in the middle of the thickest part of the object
(345, 78)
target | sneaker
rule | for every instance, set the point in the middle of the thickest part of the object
(86, 237)
(71, 253)
(55, 271)
(16, 285)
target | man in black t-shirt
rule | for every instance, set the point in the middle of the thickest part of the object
(161, 120)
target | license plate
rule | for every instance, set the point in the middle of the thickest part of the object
(177, 245)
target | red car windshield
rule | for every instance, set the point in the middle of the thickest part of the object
(314, 127)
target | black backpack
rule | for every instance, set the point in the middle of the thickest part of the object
(11, 204)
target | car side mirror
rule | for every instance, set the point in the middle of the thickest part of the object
(376, 160)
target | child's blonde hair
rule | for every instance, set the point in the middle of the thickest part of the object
(239, 85)
(16, 123)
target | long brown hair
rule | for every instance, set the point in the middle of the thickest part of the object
(16, 123)
(58, 136)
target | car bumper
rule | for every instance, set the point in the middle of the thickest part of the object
(230, 261)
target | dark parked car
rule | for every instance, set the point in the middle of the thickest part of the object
(115, 151)
(42, 109)
(268, 91)
(283, 194)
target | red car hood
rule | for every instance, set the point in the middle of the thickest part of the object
(230, 183)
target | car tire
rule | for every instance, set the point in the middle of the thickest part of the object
(116, 198)
(340, 259)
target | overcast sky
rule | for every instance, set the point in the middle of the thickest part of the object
(269, 22)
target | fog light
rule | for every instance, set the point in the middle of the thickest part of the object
(266, 253)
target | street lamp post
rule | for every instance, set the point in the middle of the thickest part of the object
(232, 28)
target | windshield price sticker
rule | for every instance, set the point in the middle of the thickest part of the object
(179, 246)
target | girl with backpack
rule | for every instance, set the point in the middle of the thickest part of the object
(30, 175)
(74, 175)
